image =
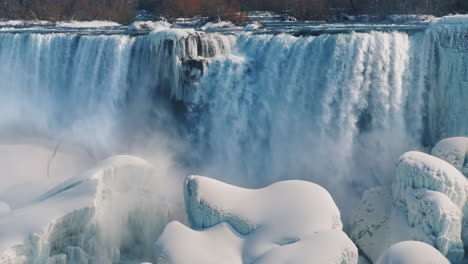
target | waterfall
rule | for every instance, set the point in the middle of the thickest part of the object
(336, 109)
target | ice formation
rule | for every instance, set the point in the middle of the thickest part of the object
(425, 204)
(109, 214)
(267, 225)
(412, 252)
(454, 151)
(417, 170)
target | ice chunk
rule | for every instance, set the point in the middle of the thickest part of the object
(412, 252)
(419, 170)
(454, 151)
(287, 222)
(440, 220)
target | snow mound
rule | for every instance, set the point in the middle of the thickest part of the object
(412, 252)
(149, 25)
(216, 26)
(207, 205)
(87, 24)
(268, 225)
(425, 204)
(180, 244)
(98, 217)
(454, 151)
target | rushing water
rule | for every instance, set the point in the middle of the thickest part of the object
(336, 109)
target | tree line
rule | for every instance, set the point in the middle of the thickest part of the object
(123, 10)
(304, 9)
(59, 10)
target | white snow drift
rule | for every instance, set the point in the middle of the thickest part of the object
(287, 222)
(111, 212)
(425, 204)
(412, 252)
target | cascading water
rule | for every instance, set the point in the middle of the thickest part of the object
(250, 109)
(334, 109)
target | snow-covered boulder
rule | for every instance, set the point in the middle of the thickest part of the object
(412, 252)
(419, 170)
(454, 151)
(149, 25)
(253, 26)
(425, 204)
(217, 25)
(287, 222)
(94, 218)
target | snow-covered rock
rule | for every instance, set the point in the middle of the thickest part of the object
(287, 222)
(419, 170)
(149, 25)
(425, 204)
(454, 151)
(94, 218)
(277, 207)
(412, 252)
(253, 26)
(217, 25)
